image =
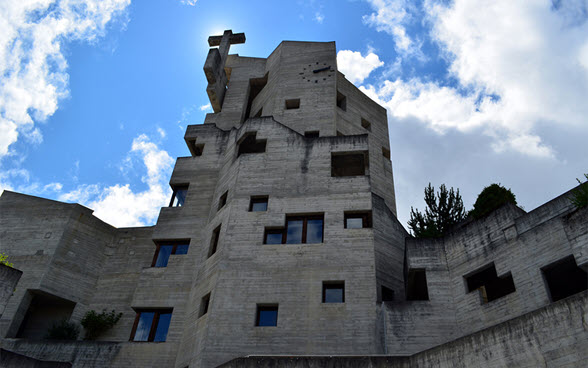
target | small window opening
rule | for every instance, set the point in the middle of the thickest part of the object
(339, 134)
(164, 249)
(298, 230)
(179, 195)
(204, 303)
(258, 114)
(416, 288)
(258, 204)
(256, 85)
(222, 201)
(491, 286)
(386, 152)
(151, 325)
(293, 104)
(358, 220)
(195, 149)
(333, 291)
(564, 278)
(267, 315)
(341, 101)
(311, 134)
(214, 241)
(366, 124)
(348, 164)
(248, 144)
(387, 294)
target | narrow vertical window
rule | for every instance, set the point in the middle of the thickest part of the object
(341, 101)
(416, 288)
(214, 241)
(366, 125)
(204, 303)
(223, 200)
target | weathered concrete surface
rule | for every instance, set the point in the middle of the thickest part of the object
(8, 279)
(10, 359)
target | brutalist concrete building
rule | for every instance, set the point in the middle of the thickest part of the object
(281, 246)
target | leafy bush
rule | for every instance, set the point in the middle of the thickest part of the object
(95, 324)
(492, 197)
(63, 330)
(4, 260)
(580, 195)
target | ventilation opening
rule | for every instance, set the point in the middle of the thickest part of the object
(386, 152)
(248, 144)
(348, 163)
(204, 303)
(255, 87)
(341, 101)
(44, 310)
(195, 149)
(490, 285)
(312, 134)
(366, 124)
(564, 278)
(416, 287)
(214, 241)
(387, 294)
(293, 104)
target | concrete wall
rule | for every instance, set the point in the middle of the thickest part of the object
(8, 279)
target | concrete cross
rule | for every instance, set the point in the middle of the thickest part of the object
(214, 67)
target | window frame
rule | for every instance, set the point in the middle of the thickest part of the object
(154, 322)
(222, 201)
(175, 189)
(258, 199)
(266, 307)
(340, 284)
(174, 243)
(366, 218)
(204, 305)
(284, 230)
(214, 241)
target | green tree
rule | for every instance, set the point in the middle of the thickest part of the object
(443, 211)
(4, 260)
(580, 195)
(492, 197)
(97, 323)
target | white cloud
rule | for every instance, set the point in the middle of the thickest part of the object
(118, 204)
(517, 65)
(319, 17)
(161, 132)
(189, 2)
(356, 67)
(32, 64)
(206, 107)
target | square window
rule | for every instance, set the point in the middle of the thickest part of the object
(293, 104)
(223, 200)
(258, 203)
(151, 325)
(333, 292)
(204, 303)
(214, 241)
(267, 315)
(387, 294)
(366, 124)
(348, 163)
(166, 248)
(358, 220)
(178, 196)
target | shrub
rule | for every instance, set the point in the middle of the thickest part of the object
(580, 195)
(492, 197)
(97, 323)
(4, 260)
(63, 330)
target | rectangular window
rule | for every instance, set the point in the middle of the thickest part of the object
(490, 285)
(151, 325)
(204, 303)
(258, 203)
(249, 144)
(416, 285)
(223, 200)
(164, 249)
(564, 278)
(333, 291)
(214, 241)
(179, 195)
(298, 230)
(358, 220)
(366, 124)
(312, 134)
(267, 315)
(348, 163)
(293, 104)
(341, 101)
(386, 152)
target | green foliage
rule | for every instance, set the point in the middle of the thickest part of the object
(95, 324)
(580, 195)
(63, 330)
(4, 260)
(443, 211)
(492, 197)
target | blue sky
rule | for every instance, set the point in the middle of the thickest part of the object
(95, 95)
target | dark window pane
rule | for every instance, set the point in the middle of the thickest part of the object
(258, 206)
(294, 232)
(144, 326)
(333, 294)
(314, 231)
(354, 223)
(267, 316)
(182, 249)
(163, 256)
(273, 238)
(162, 326)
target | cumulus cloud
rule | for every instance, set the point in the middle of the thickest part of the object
(119, 204)
(206, 107)
(356, 67)
(319, 17)
(517, 65)
(32, 64)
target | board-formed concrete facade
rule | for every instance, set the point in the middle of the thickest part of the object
(291, 132)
